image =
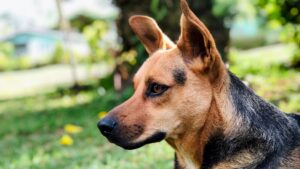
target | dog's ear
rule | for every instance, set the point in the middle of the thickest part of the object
(149, 33)
(195, 41)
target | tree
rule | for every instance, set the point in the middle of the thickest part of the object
(285, 13)
(64, 26)
(167, 14)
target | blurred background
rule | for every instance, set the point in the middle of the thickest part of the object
(65, 63)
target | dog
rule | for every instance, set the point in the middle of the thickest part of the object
(184, 94)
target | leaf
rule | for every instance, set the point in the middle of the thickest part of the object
(102, 114)
(66, 140)
(70, 128)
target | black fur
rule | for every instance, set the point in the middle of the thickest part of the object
(179, 76)
(176, 163)
(156, 137)
(265, 131)
(296, 117)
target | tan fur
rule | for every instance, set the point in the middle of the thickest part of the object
(292, 161)
(149, 33)
(241, 160)
(188, 113)
(162, 110)
(191, 144)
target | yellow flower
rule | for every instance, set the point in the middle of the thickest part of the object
(66, 140)
(102, 114)
(70, 128)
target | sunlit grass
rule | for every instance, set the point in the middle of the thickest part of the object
(32, 129)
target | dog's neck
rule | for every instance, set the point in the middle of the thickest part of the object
(190, 146)
(235, 123)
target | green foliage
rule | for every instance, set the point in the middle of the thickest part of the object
(60, 55)
(283, 11)
(291, 34)
(167, 14)
(264, 71)
(94, 33)
(80, 21)
(127, 57)
(8, 62)
(295, 61)
(286, 14)
(224, 8)
(158, 11)
(6, 49)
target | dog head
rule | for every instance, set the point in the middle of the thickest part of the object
(173, 88)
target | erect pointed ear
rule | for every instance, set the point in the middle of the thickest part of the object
(149, 33)
(195, 41)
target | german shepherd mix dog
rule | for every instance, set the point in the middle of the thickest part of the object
(185, 95)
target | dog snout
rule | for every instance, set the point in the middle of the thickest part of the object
(106, 126)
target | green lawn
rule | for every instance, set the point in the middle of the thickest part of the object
(31, 128)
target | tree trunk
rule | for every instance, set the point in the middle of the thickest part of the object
(64, 26)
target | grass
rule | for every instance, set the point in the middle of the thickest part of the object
(32, 127)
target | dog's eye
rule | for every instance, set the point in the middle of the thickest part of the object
(155, 89)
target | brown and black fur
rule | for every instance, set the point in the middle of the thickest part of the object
(266, 133)
(185, 95)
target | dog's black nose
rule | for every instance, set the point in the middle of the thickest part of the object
(106, 126)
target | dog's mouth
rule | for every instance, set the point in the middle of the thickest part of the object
(156, 137)
(126, 136)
